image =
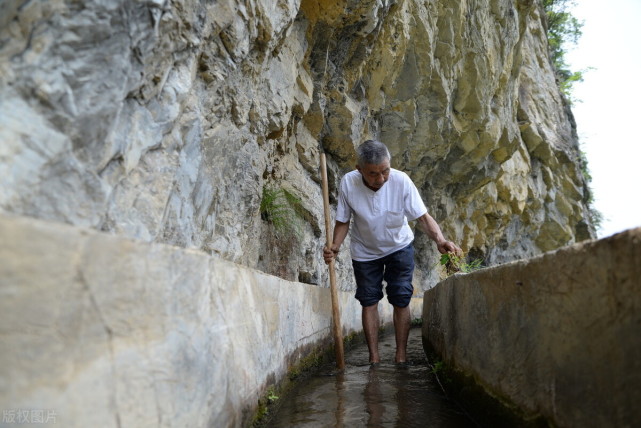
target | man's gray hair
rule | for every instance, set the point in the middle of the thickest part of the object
(372, 152)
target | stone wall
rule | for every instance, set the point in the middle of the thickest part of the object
(556, 336)
(167, 121)
(106, 331)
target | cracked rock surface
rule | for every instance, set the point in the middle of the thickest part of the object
(166, 121)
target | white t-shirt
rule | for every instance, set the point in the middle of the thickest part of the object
(380, 217)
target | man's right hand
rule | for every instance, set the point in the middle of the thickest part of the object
(329, 254)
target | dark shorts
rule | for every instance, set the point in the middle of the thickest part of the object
(396, 269)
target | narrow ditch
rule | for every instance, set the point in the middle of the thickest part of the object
(387, 395)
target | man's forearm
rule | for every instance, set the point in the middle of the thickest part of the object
(340, 232)
(431, 228)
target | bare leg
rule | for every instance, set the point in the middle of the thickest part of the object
(370, 327)
(402, 331)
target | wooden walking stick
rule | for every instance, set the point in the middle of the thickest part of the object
(336, 315)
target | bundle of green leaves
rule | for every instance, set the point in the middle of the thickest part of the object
(454, 263)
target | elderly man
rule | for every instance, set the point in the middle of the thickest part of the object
(382, 200)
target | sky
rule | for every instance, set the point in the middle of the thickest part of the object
(608, 106)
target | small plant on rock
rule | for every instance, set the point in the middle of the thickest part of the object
(271, 395)
(438, 367)
(283, 210)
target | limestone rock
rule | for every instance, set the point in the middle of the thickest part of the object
(165, 121)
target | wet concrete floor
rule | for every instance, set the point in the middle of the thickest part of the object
(386, 395)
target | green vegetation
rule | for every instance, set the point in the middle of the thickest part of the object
(283, 210)
(596, 217)
(271, 395)
(308, 364)
(562, 29)
(441, 372)
(438, 367)
(454, 263)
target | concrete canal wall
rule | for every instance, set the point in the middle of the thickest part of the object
(557, 336)
(102, 330)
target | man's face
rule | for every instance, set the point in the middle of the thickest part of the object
(375, 176)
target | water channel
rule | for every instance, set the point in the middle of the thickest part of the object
(386, 395)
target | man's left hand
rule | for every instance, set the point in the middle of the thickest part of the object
(448, 247)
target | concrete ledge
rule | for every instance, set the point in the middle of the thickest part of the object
(107, 331)
(557, 336)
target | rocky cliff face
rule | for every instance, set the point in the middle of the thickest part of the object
(200, 124)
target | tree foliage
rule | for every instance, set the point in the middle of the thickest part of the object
(562, 29)
(565, 29)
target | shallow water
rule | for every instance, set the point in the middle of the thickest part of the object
(386, 395)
